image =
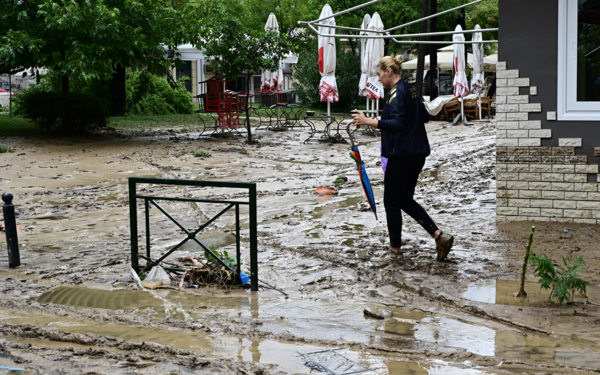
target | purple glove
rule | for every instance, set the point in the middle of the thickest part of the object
(383, 159)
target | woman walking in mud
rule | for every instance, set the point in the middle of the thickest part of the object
(404, 142)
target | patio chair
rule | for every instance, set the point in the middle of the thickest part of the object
(451, 109)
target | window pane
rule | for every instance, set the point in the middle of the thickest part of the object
(588, 51)
(184, 70)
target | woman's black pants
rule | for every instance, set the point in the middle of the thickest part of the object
(401, 175)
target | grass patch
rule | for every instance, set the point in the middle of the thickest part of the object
(4, 149)
(150, 122)
(15, 126)
(201, 154)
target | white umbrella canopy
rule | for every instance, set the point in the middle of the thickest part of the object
(375, 52)
(328, 85)
(364, 63)
(445, 61)
(489, 63)
(477, 82)
(461, 84)
(272, 80)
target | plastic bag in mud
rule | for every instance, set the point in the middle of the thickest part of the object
(156, 277)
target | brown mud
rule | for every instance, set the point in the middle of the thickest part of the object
(72, 307)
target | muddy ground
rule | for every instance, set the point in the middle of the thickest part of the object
(73, 307)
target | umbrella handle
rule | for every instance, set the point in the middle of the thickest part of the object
(350, 134)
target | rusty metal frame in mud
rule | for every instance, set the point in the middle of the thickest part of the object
(133, 197)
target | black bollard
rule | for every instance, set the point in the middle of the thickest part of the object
(10, 226)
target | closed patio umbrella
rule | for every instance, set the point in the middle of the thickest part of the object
(477, 82)
(461, 84)
(364, 63)
(328, 85)
(375, 52)
(272, 80)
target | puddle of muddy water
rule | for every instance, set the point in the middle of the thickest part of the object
(256, 350)
(501, 292)
(318, 319)
(113, 300)
(430, 368)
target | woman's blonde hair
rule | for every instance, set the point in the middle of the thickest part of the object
(392, 62)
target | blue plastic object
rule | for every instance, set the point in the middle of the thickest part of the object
(245, 278)
(11, 368)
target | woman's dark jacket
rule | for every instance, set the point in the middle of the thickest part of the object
(402, 124)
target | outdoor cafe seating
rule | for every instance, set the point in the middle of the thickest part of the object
(275, 110)
(223, 105)
(278, 110)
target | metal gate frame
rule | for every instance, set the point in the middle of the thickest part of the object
(133, 220)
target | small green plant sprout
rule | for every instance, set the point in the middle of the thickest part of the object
(522, 292)
(230, 260)
(4, 149)
(561, 280)
(242, 151)
(202, 154)
(340, 180)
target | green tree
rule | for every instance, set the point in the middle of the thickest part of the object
(98, 39)
(241, 50)
(484, 14)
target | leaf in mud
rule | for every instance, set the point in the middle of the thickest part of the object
(395, 299)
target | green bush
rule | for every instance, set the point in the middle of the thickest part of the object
(73, 113)
(307, 78)
(561, 280)
(148, 94)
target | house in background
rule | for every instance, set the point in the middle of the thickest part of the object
(548, 111)
(196, 66)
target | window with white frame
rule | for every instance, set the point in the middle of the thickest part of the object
(579, 60)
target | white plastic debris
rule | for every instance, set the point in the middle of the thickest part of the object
(156, 277)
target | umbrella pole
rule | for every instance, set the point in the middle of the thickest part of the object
(462, 110)
(328, 108)
(479, 105)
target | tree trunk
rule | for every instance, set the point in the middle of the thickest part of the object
(117, 91)
(433, 73)
(422, 51)
(248, 127)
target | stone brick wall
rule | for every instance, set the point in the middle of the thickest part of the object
(535, 182)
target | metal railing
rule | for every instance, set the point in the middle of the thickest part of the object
(191, 235)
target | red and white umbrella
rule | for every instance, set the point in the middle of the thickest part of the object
(328, 85)
(272, 80)
(375, 52)
(461, 84)
(364, 62)
(477, 82)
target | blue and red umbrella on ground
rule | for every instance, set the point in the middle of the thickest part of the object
(362, 172)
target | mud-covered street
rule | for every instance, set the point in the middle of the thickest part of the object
(73, 307)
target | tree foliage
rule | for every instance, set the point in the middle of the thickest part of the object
(240, 50)
(485, 14)
(307, 79)
(87, 38)
(149, 94)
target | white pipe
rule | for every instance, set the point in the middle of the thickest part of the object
(348, 10)
(328, 108)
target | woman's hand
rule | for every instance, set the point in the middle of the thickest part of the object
(361, 120)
